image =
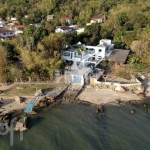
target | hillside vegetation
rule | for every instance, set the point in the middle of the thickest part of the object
(37, 51)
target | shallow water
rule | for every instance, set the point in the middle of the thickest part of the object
(77, 127)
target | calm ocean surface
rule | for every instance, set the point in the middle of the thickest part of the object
(77, 127)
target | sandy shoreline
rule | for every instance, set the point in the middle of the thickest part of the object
(105, 96)
(95, 96)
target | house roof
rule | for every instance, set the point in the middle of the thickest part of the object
(65, 28)
(3, 30)
(118, 55)
(100, 16)
(18, 26)
(49, 17)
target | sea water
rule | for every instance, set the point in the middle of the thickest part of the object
(75, 126)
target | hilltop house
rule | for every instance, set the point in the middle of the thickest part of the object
(14, 20)
(66, 20)
(5, 33)
(50, 17)
(97, 19)
(63, 29)
(16, 28)
(83, 59)
(36, 25)
(92, 56)
(83, 63)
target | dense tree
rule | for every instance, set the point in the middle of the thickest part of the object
(38, 50)
(3, 64)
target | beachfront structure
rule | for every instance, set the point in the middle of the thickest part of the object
(91, 55)
(83, 59)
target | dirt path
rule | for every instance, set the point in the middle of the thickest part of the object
(4, 87)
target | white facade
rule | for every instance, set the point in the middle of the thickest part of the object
(63, 30)
(18, 32)
(93, 54)
(2, 23)
(4, 33)
(80, 30)
(13, 19)
(98, 21)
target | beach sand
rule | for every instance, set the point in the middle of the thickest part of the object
(96, 96)
(104, 96)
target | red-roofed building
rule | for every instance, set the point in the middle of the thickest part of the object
(98, 19)
(5, 33)
(18, 29)
(67, 20)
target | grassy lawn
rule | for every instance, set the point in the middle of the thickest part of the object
(27, 89)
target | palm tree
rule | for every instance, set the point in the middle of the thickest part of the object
(81, 50)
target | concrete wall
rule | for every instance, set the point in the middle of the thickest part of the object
(113, 85)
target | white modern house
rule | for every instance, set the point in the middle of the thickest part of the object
(83, 62)
(92, 54)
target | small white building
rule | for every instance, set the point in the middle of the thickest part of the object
(50, 17)
(5, 33)
(97, 19)
(18, 29)
(2, 23)
(36, 25)
(63, 29)
(80, 30)
(14, 19)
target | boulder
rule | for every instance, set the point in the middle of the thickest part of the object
(33, 113)
(1, 91)
(117, 101)
(42, 104)
(140, 89)
(148, 91)
(141, 95)
(18, 99)
(132, 111)
(120, 89)
(20, 124)
(51, 99)
(100, 109)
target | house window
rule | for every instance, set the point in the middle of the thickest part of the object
(66, 53)
(99, 50)
(10, 32)
(4, 33)
(75, 54)
(91, 50)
